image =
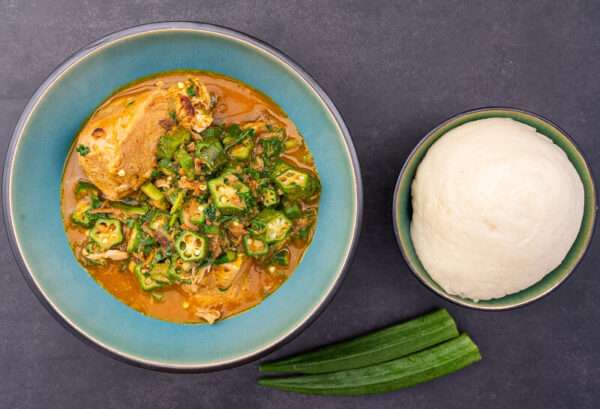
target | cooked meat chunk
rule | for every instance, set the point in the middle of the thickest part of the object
(122, 137)
(193, 105)
(208, 315)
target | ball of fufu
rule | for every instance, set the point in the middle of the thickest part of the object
(496, 207)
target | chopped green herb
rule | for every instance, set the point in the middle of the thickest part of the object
(82, 149)
(238, 137)
(191, 91)
(281, 258)
(272, 147)
(210, 212)
(212, 132)
(96, 202)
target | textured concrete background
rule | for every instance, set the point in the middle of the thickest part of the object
(394, 69)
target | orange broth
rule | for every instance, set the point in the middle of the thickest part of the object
(237, 103)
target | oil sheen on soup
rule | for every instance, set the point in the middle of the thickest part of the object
(189, 196)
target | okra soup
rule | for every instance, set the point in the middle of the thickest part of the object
(189, 196)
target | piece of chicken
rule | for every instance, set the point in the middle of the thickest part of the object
(121, 138)
(225, 274)
(208, 315)
(193, 105)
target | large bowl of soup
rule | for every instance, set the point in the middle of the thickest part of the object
(182, 196)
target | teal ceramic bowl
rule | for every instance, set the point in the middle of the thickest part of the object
(32, 178)
(402, 211)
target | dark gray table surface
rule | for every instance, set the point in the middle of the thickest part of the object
(394, 69)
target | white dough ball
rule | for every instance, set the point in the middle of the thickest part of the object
(496, 207)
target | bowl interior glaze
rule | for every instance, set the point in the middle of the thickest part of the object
(32, 188)
(403, 211)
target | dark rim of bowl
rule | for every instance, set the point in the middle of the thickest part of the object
(175, 26)
(468, 303)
